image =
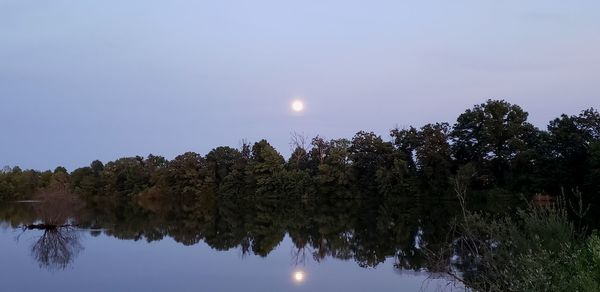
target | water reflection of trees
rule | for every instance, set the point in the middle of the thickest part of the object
(53, 215)
(365, 230)
(57, 247)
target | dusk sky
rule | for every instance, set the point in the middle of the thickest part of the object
(84, 80)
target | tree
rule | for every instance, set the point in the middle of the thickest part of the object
(434, 161)
(97, 166)
(335, 173)
(222, 160)
(317, 153)
(59, 180)
(406, 141)
(298, 159)
(491, 135)
(126, 177)
(156, 167)
(369, 154)
(571, 143)
(265, 160)
(186, 174)
(592, 179)
(90, 181)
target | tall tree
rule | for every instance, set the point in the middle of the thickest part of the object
(571, 142)
(186, 176)
(335, 168)
(491, 135)
(407, 141)
(434, 161)
(375, 163)
(222, 160)
(264, 162)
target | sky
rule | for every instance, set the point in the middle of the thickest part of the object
(84, 80)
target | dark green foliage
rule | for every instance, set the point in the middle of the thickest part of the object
(186, 175)
(369, 154)
(434, 157)
(287, 184)
(592, 178)
(407, 141)
(126, 176)
(492, 136)
(265, 160)
(298, 159)
(222, 161)
(539, 250)
(572, 143)
(17, 184)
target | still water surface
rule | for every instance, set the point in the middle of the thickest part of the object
(105, 263)
(72, 258)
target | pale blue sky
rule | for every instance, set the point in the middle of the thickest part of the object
(81, 80)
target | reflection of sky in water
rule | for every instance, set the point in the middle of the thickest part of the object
(108, 264)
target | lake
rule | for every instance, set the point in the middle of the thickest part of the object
(91, 251)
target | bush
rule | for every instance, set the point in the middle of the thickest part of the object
(538, 250)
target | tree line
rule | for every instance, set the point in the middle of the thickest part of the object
(491, 147)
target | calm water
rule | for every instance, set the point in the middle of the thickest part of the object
(123, 259)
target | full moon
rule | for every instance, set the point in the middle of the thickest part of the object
(298, 105)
